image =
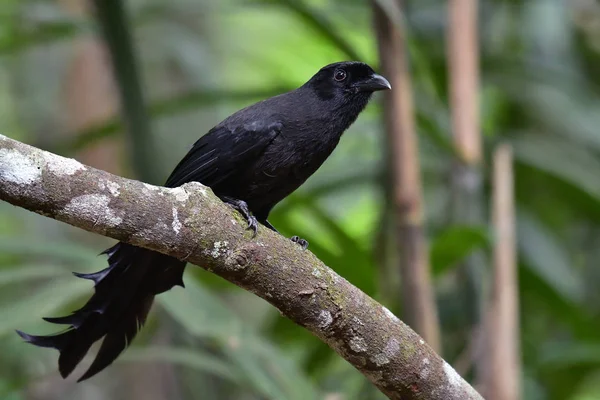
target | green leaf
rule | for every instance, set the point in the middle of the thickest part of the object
(558, 101)
(201, 313)
(564, 355)
(66, 251)
(561, 158)
(547, 257)
(454, 245)
(190, 358)
(247, 361)
(547, 300)
(320, 23)
(16, 36)
(46, 301)
(159, 108)
(22, 273)
(47, 33)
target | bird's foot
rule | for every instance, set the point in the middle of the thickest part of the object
(242, 208)
(252, 225)
(303, 243)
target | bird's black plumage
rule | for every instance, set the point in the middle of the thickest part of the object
(251, 160)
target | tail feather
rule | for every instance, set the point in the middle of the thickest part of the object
(75, 319)
(119, 336)
(114, 259)
(57, 341)
(123, 295)
(79, 343)
(95, 276)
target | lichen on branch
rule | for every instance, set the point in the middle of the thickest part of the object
(192, 224)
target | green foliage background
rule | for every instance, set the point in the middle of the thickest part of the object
(201, 60)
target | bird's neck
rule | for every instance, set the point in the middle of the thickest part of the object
(348, 111)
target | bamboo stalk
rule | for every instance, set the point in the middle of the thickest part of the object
(417, 293)
(501, 381)
(463, 58)
(467, 182)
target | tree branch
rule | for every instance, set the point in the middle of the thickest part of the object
(191, 223)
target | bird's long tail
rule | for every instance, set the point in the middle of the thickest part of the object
(123, 295)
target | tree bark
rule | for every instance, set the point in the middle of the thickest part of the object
(192, 224)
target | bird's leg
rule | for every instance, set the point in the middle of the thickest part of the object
(242, 207)
(302, 242)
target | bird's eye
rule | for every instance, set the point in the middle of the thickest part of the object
(339, 75)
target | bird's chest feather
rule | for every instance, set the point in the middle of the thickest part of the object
(286, 164)
(299, 156)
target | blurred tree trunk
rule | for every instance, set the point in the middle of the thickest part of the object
(467, 201)
(91, 98)
(502, 373)
(418, 298)
(114, 23)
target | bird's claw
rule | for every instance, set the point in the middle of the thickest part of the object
(252, 225)
(242, 208)
(303, 243)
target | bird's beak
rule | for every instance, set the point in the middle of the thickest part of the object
(373, 83)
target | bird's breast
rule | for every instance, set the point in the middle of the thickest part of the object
(299, 156)
(285, 165)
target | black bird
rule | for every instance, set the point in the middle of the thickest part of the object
(251, 160)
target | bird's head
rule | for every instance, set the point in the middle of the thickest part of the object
(347, 80)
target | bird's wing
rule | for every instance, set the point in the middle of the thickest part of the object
(222, 151)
